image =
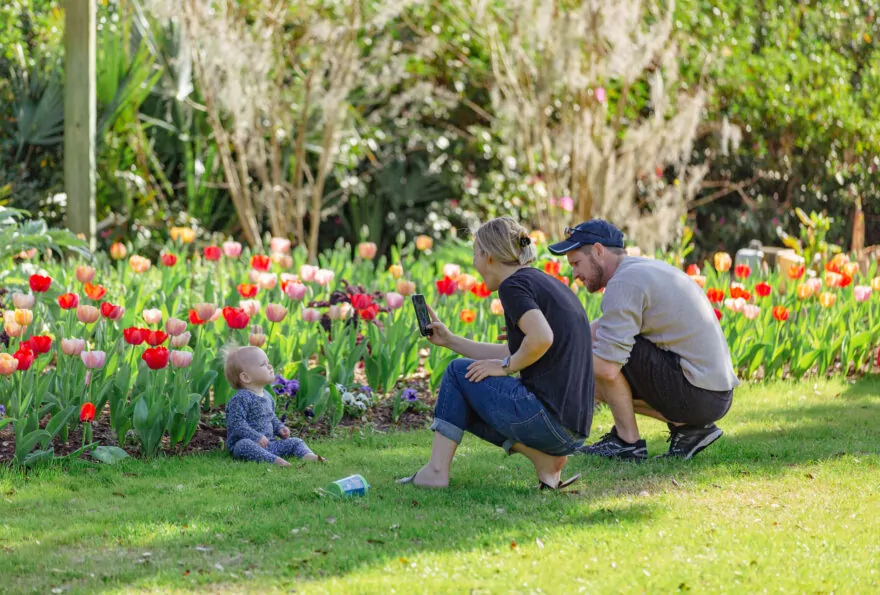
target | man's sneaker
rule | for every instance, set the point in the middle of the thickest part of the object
(686, 441)
(613, 447)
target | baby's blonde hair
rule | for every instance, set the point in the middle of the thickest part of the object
(234, 357)
(506, 240)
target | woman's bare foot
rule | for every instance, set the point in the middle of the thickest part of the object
(427, 477)
(281, 462)
(548, 467)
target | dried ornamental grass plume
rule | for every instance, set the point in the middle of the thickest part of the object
(551, 63)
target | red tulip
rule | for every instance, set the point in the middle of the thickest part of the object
(360, 301)
(369, 313)
(168, 260)
(236, 317)
(154, 338)
(762, 289)
(134, 335)
(156, 357)
(246, 290)
(38, 344)
(738, 292)
(212, 253)
(260, 262)
(194, 318)
(111, 311)
(94, 292)
(796, 271)
(552, 268)
(480, 290)
(780, 313)
(68, 301)
(25, 358)
(844, 280)
(715, 296)
(87, 413)
(742, 270)
(446, 286)
(692, 270)
(718, 313)
(40, 284)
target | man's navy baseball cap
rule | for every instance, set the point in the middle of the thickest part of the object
(594, 231)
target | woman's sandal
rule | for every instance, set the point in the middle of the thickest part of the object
(561, 485)
(405, 480)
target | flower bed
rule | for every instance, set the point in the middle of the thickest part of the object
(139, 346)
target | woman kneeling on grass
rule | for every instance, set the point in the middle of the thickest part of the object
(546, 413)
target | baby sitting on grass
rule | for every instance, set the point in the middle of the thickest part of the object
(250, 414)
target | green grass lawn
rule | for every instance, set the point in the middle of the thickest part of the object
(787, 500)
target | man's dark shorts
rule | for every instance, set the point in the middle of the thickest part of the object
(655, 376)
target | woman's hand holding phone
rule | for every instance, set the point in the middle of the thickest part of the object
(442, 336)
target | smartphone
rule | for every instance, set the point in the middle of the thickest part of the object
(422, 315)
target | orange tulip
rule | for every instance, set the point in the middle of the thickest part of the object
(396, 271)
(85, 274)
(780, 313)
(538, 237)
(722, 262)
(139, 264)
(796, 271)
(367, 250)
(496, 308)
(875, 283)
(186, 235)
(117, 251)
(406, 287)
(24, 317)
(804, 291)
(833, 279)
(8, 364)
(424, 243)
(468, 316)
(851, 269)
(94, 292)
(13, 329)
(466, 282)
(827, 299)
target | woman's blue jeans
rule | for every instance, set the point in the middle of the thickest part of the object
(499, 410)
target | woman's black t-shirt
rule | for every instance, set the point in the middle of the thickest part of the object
(563, 378)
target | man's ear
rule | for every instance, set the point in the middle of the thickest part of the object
(598, 250)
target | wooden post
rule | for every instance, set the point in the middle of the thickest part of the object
(80, 116)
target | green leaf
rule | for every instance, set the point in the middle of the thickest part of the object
(109, 454)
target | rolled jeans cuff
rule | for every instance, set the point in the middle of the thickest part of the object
(508, 445)
(447, 430)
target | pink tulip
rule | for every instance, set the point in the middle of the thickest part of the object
(13, 329)
(735, 304)
(367, 250)
(217, 316)
(394, 300)
(205, 310)
(285, 261)
(311, 315)
(324, 276)
(175, 326)
(601, 95)
(339, 311)
(496, 308)
(566, 203)
(23, 301)
(295, 291)
(181, 340)
(93, 359)
(815, 285)
(257, 339)
(181, 359)
(152, 316)
(862, 292)
(87, 314)
(279, 245)
(72, 347)
(252, 307)
(276, 312)
(751, 311)
(85, 274)
(451, 270)
(232, 249)
(307, 273)
(267, 280)
(254, 276)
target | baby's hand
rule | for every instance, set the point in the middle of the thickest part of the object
(264, 442)
(284, 432)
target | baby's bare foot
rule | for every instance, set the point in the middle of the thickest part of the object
(281, 462)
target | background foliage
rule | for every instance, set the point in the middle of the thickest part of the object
(791, 121)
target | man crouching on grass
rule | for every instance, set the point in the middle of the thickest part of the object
(658, 349)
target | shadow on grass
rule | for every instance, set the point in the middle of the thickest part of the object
(206, 520)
